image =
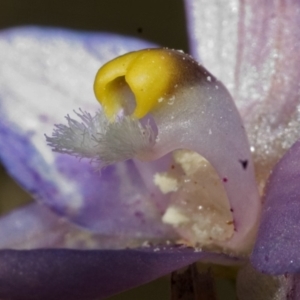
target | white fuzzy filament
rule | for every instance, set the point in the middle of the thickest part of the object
(102, 141)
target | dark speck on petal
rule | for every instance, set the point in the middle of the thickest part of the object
(244, 163)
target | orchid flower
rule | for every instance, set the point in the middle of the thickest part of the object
(179, 162)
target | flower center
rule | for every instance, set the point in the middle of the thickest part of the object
(199, 209)
(155, 102)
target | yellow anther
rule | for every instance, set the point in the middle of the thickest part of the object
(150, 74)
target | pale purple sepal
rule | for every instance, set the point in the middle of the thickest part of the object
(46, 74)
(72, 275)
(253, 47)
(278, 242)
(31, 226)
(212, 27)
(35, 226)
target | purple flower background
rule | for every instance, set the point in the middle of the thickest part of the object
(252, 46)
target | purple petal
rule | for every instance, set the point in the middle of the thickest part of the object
(44, 75)
(35, 226)
(251, 46)
(278, 242)
(32, 226)
(212, 27)
(71, 274)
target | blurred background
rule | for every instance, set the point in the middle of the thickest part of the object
(159, 21)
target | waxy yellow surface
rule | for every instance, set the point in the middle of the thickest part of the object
(150, 74)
